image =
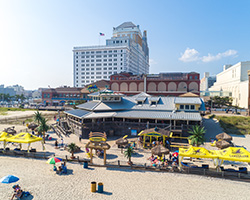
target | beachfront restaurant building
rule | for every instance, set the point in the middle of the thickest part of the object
(117, 114)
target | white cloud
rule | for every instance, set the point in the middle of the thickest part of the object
(189, 55)
(210, 57)
(152, 62)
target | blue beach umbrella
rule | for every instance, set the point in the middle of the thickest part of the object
(9, 179)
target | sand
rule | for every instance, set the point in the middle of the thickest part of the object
(38, 178)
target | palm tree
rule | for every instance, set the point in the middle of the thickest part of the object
(197, 137)
(38, 117)
(72, 148)
(44, 127)
(128, 154)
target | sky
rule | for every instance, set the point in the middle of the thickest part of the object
(37, 37)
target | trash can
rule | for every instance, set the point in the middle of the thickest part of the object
(93, 186)
(85, 164)
(100, 187)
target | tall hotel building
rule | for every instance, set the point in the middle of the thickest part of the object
(126, 51)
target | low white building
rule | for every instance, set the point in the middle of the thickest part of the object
(234, 78)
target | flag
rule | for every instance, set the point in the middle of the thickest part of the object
(102, 34)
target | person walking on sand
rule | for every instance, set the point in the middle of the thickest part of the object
(62, 142)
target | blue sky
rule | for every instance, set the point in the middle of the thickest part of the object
(37, 37)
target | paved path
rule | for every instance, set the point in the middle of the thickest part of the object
(213, 128)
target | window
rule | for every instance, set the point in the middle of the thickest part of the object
(115, 55)
(115, 64)
(153, 103)
(76, 73)
(191, 77)
(121, 59)
(92, 52)
(110, 60)
(83, 81)
(98, 72)
(87, 65)
(98, 64)
(87, 52)
(105, 56)
(99, 56)
(77, 77)
(99, 77)
(87, 81)
(110, 68)
(82, 65)
(105, 52)
(181, 107)
(115, 59)
(110, 55)
(76, 56)
(121, 50)
(117, 41)
(110, 64)
(105, 64)
(92, 60)
(110, 51)
(110, 72)
(192, 107)
(92, 72)
(105, 77)
(87, 73)
(87, 56)
(104, 72)
(115, 68)
(115, 51)
(77, 61)
(98, 60)
(87, 60)
(125, 41)
(76, 69)
(92, 68)
(87, 69)
(98, 51)
(113, 42)
(92, 56)
(121, 63)
(92, 77)
(121, 68)
(105, 68)
(82, 56)
(92, 64)
(98, 68)
(195, 77)
(186, 107)
(105, 60)
(83, 52)
(83, 73)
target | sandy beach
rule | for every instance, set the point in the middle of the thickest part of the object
(38, 178)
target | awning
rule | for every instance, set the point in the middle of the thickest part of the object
(100, 115)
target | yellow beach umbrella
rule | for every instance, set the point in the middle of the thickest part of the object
(4, 136)
(234, 154)
(25, 138)
(197, 152)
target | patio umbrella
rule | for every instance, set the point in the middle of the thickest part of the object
(223, 136)
(159, 150)
(32, 126)
(10, 130)
(121, 142)
(9, 179)
(222, 144)
(54, 160)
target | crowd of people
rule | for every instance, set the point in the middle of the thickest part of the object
(157, 161)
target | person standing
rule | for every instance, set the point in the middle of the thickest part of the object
(62, 142)
(80, 138)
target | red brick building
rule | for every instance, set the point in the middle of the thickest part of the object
(163, 84)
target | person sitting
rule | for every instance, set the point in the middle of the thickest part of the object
(55, 168)
(64, 168)
(59, 171)
(18, 193)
